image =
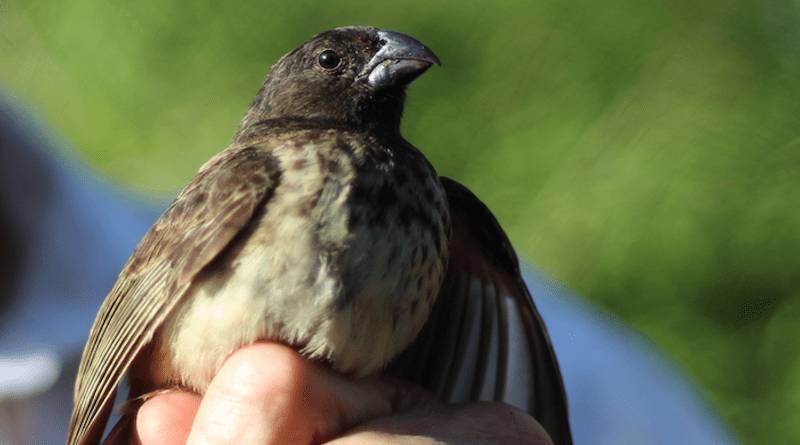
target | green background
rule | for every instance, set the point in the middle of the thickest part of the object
(646, 154)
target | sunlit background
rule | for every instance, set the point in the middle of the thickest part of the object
(645, 154)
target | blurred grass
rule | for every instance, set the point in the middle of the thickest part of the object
(647, 154)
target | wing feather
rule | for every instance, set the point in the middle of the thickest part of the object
(202, 221)
(485, 339)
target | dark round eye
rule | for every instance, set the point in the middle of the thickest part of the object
(329, 59)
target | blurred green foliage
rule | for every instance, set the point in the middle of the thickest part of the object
(647, 154)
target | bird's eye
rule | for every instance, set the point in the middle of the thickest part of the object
(329, 59)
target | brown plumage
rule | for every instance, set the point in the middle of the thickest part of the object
(322, 228)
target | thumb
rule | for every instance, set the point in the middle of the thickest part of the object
(265, 394)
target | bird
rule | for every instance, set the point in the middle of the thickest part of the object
(322, 228)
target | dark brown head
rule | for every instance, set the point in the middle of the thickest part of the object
(352, 77)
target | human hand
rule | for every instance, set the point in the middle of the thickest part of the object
(268, 394)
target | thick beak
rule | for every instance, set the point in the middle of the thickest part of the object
(399, 62)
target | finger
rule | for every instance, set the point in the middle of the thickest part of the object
(257, 397)
(268, 394)
(167, 418)
(256, 388)
(482, 422)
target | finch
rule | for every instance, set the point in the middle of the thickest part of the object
(322, 228)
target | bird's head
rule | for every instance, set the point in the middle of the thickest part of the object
(353, 76)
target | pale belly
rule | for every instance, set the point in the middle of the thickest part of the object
(353, 298)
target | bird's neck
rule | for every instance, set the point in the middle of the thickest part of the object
(379, 115)
(288, 124)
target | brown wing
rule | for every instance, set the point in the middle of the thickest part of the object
(485, 339)
(216, 205)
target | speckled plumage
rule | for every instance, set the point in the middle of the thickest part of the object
(318, 240)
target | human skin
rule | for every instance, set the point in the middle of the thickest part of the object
(267, 394)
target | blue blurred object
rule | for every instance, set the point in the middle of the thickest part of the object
(622, 388)
(74, 231)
